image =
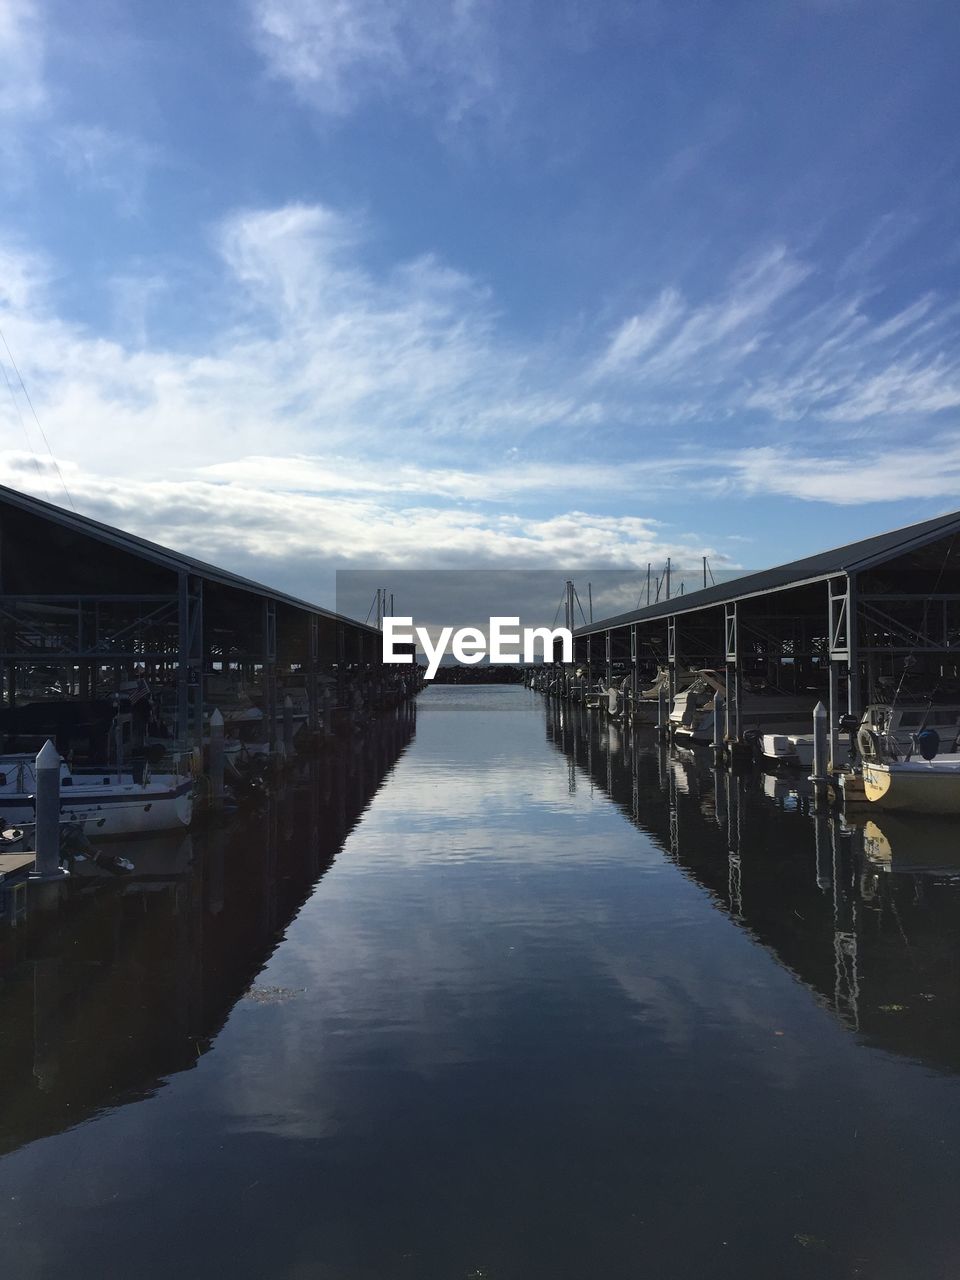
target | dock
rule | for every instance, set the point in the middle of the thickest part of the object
(15, 869)
(15, 866)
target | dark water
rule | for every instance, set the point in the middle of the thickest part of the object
(547, 1004)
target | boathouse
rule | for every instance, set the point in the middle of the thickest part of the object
(85, 607)
(856, 621)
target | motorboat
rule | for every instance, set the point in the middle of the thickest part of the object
(692, 713)
(914, 786)
(647, 702)
(918, 779)
(897, 722)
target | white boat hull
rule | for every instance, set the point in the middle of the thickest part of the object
(914, 786)
(692, 712)
(774, 721)
(101, 807)
(790, 750)
(136, 811)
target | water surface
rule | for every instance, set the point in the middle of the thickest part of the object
(515, 999)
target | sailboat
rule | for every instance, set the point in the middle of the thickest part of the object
(103, 802)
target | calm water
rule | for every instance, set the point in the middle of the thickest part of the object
(510, 998)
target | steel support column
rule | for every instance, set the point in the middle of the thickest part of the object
(269, 671)
(853, 654)
(313, 694)
(189, 659)
(839, 631)
(635, 666)
(672, 657)
(731, 630)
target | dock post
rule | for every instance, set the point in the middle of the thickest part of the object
(819, 774)
(288, 724)
(215, 759)
(48, 814)
(719, 725)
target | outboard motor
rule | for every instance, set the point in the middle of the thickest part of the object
(927, 742)
(849, 725)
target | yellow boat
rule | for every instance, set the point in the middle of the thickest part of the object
(914, 786)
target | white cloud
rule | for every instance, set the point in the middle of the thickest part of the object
(638, 334)
(672, 340)
(337, 414)
(287, 537)
(885, 236)
(502, 483)
(22, 87)
(853, 478)
(337, 53)
(312, 348)
(321, 48)
(779, 344)
(23, 278)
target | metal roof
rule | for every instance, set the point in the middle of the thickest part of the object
(164, 556)
(852, 558)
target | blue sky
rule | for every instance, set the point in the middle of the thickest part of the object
(301, 285)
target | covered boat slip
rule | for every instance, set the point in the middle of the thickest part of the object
(88, 612)
(865, 623)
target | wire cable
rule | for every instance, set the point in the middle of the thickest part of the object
(36, 418)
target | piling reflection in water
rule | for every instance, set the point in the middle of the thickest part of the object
(865, 909)
(133, 978)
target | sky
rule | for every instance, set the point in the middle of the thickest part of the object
(305, 285)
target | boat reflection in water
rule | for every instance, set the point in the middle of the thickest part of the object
(865, 911)
(132, 978)
(912, 845)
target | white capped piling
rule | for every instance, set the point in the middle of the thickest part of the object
(288, 724)
(215, 758)
(819, 744)
(48, 813)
